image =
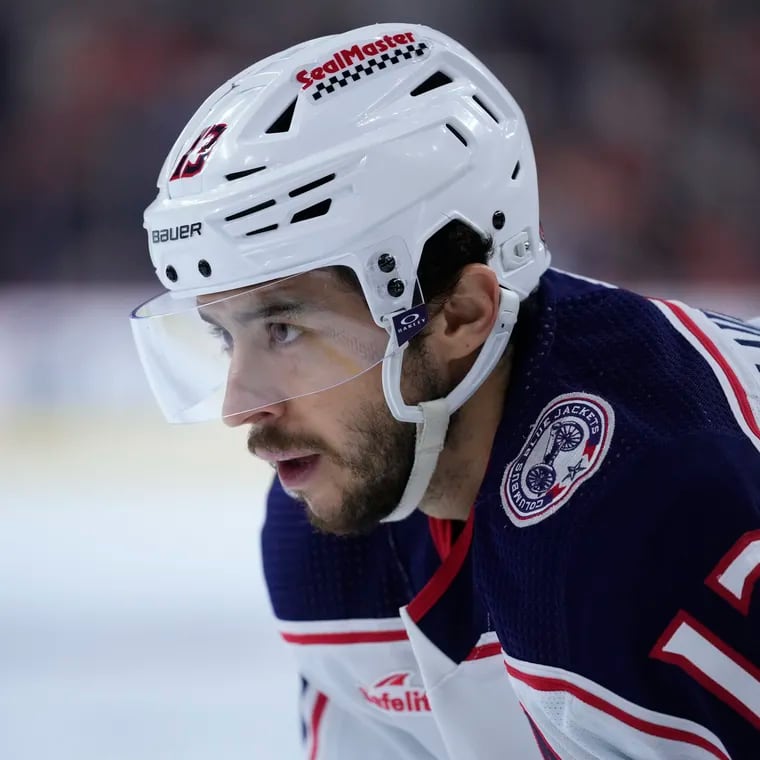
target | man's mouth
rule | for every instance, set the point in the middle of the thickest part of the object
(293, 473)
(293, 468)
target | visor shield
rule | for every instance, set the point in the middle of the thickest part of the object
(231, 353)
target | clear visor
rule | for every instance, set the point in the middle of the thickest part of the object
(232, 353)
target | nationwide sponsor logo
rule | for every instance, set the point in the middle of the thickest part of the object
(350, 64)
(396, 694)
(565, 447)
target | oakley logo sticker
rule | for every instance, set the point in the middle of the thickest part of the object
(409, 323)
(193, 161)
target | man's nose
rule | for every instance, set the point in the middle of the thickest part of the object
(245, 403)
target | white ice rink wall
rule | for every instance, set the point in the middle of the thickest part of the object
(134, 621)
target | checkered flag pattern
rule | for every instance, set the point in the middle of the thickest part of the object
(366, 67)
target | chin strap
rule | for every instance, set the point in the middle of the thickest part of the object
(432, 417)
(431, 434)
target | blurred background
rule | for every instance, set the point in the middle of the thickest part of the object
(133, 618)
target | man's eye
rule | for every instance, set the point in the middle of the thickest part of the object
(281, 333)
(224, 336)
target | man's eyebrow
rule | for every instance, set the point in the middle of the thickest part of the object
(265, 311)
(273, 309)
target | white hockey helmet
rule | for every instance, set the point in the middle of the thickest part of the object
(346, 150)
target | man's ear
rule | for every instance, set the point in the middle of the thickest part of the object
(467, 316)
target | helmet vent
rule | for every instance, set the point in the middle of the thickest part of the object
(318, 209)
(439, 79)
(311, 185)
(516, 170)
(283, 121)
(244, 173)
(485, 108)
(456, 134)
(262, 229)
(252, 210)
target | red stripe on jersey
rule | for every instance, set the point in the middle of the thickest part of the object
(316, 721)
(547, 751)
(347, 637)
(442, 578)
(546, 683)
(440, 532)
(712, 349)
(485, 650)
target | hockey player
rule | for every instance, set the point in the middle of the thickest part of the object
(348, 233)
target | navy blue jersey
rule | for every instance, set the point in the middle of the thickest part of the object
(609, 561)
(313, 576)
(366, 691)
(617, 531)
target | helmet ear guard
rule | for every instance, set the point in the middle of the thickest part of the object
(432, 417)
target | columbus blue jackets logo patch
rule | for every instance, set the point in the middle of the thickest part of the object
(565, 447)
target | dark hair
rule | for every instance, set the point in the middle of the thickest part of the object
(444, 255)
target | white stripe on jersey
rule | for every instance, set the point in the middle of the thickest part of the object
(582, 720)
(730, 347)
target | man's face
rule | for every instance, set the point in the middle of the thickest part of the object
(359, 456)
(337, 448)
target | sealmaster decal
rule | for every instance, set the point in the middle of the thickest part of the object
(360, 60)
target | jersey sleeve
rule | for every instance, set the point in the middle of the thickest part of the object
(664, 642)
(332, 731)
(335, 587)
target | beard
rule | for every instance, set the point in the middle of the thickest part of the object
(377, 458)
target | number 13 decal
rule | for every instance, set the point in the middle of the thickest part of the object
(706, 658)
(192, 162)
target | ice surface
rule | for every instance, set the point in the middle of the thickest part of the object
(134, 622)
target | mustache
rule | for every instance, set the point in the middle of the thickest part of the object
(275, 439)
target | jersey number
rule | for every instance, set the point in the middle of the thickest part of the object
(706, 658)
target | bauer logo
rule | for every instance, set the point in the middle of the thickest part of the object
(565, 447)
(356, 62)
(181, 232)
(395, 694)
